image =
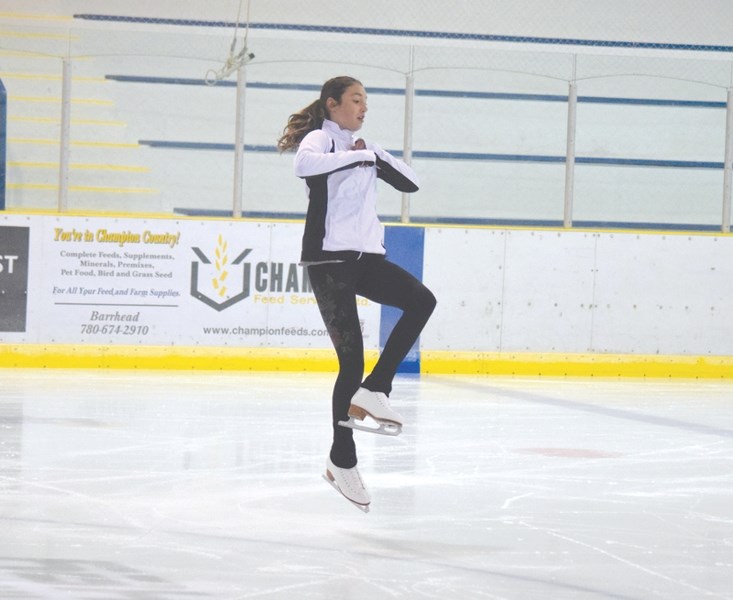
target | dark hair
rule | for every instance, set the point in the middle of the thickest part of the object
(311, 117)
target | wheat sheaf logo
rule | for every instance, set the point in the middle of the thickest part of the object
(217, 273)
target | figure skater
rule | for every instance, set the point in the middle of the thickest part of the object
(345, 256)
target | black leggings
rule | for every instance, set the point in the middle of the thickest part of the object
(336, 286)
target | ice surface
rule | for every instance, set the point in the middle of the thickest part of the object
(155, 485)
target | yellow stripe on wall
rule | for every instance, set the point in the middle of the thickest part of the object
(50, 187)
(169, 357)
(51, 77)
(576, 365)
(57, 100)
(38, 34)
(26, 54)
(35, 17)
(90, 144)
(310, 360)
(57, 121)
(79, 166)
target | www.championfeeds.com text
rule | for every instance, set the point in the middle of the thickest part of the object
(239, 331)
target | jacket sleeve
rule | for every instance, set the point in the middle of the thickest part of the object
(314, 156)
(395, 172)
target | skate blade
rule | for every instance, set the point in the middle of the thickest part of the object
(362, 507)
(383, 427)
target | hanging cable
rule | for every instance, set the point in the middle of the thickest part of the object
(235, 59)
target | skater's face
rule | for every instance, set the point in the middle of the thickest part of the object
(350, 110)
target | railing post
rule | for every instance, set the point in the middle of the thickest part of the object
(728, 164)
(570, 150)
(65, 144)
(407, 141)
(239, 142)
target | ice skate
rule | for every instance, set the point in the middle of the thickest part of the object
(349, 484)
(376, 406)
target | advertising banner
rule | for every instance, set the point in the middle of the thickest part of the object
(13, 278)
(98, 280)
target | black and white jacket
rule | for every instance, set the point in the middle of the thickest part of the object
(342, 220)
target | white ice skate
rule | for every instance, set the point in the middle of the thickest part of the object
(349, 484)
(375, 405)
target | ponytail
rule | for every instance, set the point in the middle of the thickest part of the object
(312, 116)
(302, 123)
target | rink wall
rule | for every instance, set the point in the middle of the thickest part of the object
(182, 293)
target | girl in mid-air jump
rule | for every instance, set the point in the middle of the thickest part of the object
(345, 256)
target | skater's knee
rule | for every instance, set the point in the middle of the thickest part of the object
(425, 302)
(430, 300)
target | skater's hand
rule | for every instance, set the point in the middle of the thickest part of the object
(360, 144)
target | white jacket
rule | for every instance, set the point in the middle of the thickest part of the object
(342, 190)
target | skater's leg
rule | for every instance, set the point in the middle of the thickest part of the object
(334, 289)
(386, 283)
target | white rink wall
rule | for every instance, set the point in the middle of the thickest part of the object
(145, 286)
(579, 292)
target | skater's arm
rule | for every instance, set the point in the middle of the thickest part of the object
(314, 156)
(395, 172)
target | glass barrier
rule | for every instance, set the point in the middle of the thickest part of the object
(487, 127)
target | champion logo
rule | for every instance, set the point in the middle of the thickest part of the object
(210, 278)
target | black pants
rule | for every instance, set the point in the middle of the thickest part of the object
(336, 286)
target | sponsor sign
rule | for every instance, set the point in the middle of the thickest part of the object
(173, 282)
(14, 249)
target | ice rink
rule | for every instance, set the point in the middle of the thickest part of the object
(164, 485)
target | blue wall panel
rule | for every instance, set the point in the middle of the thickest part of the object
(405, 247)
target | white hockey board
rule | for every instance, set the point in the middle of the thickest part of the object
(579, 291)
(132, 281)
